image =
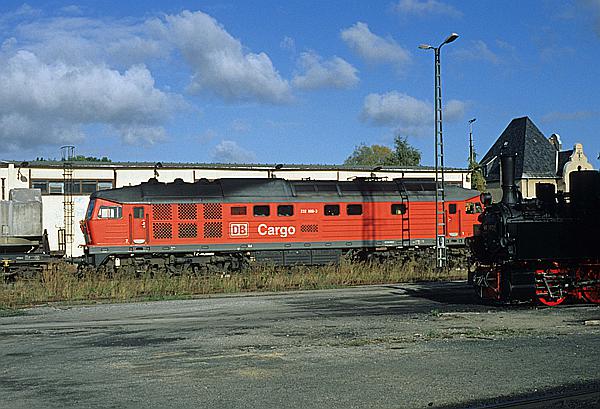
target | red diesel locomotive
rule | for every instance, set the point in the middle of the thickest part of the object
(223, 224)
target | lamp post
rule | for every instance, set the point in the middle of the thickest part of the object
(471, 151)
(440, 207)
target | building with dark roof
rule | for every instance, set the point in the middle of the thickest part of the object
(538, 159)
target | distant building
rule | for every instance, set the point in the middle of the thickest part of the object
(539, 159)
(87, 177)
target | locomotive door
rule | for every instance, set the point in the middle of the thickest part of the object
(138, 226)
(453, 221)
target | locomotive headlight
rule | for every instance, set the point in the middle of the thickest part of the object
(485, 198)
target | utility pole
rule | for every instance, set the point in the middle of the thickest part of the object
(440, 196)
(471, 151)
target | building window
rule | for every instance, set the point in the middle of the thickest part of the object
(354, 209)
(77, 187)
(110, 212)
(238, 210)
(261, 211)
(285, 210)
(452, 208)
(398, 208)
(332, 210)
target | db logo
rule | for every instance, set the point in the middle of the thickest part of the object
(238, 229)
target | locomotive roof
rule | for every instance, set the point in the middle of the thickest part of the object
(261, 190)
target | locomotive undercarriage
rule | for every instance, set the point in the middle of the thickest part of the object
(546, 283)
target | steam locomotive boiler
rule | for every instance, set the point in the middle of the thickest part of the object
(543, 249)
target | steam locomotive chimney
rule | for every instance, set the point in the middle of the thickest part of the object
(509, 190)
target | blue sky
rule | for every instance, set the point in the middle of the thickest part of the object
(290, 82)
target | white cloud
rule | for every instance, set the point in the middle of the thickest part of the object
(220, 64)
(411, 116)
(43, 103)
(558, 116)
(288, 43)
(477, 50)
(426, 7)
(373, 48)
(454, 110)
(239, 125)
(231, 152)
(333, 73)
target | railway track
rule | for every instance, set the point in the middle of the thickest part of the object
(589, 399)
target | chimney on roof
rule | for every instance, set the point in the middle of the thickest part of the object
(555, 141)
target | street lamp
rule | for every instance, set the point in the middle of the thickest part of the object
(471, 151)
(440, 207)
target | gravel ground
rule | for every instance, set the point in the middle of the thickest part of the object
(397, 346)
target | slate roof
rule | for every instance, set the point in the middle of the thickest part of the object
(536, 156)
(563, 158)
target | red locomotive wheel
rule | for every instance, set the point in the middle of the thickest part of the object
(591, 293)
(552, 279)
(551, 302)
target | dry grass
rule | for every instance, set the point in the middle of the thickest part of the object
(63, 285)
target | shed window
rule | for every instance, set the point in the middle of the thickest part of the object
(452, 208)
(261, 211)
(110, 212)
(238, 210)
(332, 210)
(55, 188)
(285, 210)
(354, 209)
(398, 208)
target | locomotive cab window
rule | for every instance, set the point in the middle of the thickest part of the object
(110, 212)
(238, 210)
(452, 208)
(285, 210)
(332, 210)
(138, 212)
(90, 209)
(261, 211)
(354, 210)
(398, 208)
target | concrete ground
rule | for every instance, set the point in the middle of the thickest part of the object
(396, 346)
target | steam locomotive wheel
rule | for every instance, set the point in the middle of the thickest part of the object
(591, 292)
(548, 287)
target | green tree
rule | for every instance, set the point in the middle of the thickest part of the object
(378, 155)
(477, 179)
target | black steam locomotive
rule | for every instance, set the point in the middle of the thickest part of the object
(544, 249)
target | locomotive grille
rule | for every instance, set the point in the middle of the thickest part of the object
(187, 211)
(162, 211)
(213, 230)
(162, 230)
(187, 230)
(309, 228)
(213, 211)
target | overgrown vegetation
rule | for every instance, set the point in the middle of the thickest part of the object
(62, 285)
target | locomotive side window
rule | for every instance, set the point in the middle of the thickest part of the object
(398, 208)
(473, 208)
(261, 211)
(238, 210)
(452, 208)
(138, 212)
(285, 210)
(332, 210)
(90, 209)
(110, 212)
(354, 209)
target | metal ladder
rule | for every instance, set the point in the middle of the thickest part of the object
(440, 194)
(68, 213)
(405, 216)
